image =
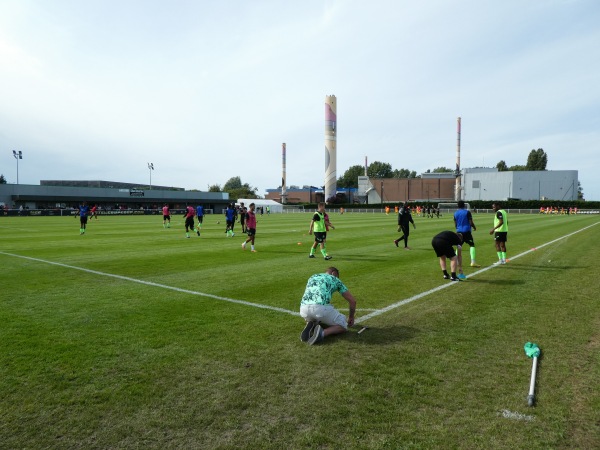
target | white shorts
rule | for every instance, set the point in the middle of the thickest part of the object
(325, 314)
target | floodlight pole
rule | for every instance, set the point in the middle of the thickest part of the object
(18, 155)
(150, 168)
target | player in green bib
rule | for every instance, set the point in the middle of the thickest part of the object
(500, 231)
(318, 225)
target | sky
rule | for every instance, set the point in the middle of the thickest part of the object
(209, 90)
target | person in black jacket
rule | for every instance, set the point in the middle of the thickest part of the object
(404, 219)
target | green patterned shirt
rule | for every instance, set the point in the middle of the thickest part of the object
(320, 289)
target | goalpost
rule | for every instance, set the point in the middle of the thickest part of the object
(293, 208)
(451, 207)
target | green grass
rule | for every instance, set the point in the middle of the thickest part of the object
(90, 359)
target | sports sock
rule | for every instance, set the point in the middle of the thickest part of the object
(252, 247)
(503, 255)
(453, 275)
(445, 272)
(312, 250)
(472, 252)
(324, 252)
(499, 255)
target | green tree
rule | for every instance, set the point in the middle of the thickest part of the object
(404, 173)
(350, 177)
(378, 169)
(2, 179)
(579, 191)
(232, 183)
(237, 189)
(442, 170)
(517, 168)
(537, 160)
(501, 166)
(214, 188)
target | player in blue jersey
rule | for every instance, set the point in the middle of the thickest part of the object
(463, 221)
(230, 219)
(200, 216)
(84, 209)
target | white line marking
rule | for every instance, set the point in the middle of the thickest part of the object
(150, 283)
(445, 286)
(516, 416)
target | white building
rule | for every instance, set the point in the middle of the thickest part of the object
(490, 184)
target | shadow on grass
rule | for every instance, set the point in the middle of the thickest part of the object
(377, 335)
(548, 266)
(499, 282)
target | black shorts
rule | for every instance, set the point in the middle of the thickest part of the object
(320, 236)
(189, 222)
(167, 217)
(443, 248)
(467, 238)
(200, 219)
(229, 223)
(251, 231)
(501, 236)
(83, 220)
(405, 229)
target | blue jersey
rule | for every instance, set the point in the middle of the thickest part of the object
(230, 214)
(463, 219)
(83, 210)
(200, 211)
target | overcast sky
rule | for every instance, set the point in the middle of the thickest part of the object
(208, 90)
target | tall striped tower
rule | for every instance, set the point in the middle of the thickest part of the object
(330, 146)
(283, 176)
(457, 171)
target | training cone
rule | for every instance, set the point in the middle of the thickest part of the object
(299, 243)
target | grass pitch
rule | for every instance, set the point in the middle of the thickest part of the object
(132, 336)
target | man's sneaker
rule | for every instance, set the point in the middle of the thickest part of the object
(244, 246)
(305, 335)
(396, 242)
(311, 256)
(446, 277)
(473, 264)
(454, 279)
(232, 234)
(407, 248)
(253, 251)
(462, 276)
(197, 232)
(317, 336)
(327, 258)
(503, 261)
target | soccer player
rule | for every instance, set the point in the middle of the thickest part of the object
(404, 218)
(463, 221)
(443, 245)
(316, 307)
(166, 216)
(250, 227)
(230, 220)
(94, 211)
(189, 220)
(318, 224)
(83, 217)
(243, 211)
(500, 232)
(200, 215)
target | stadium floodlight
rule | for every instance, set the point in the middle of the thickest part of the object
(150, 168)
(18, 155)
